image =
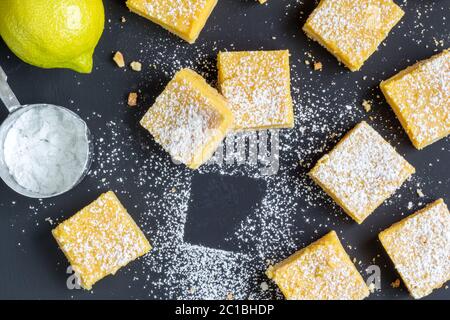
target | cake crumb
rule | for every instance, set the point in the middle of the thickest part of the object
(372, 287)
(318, 66)
(420, 193)
(230, 296)
(367, 105)
(123, 19)
(307, 62)
(132, 99)
(136, 66)
(395, 284)
(119, 60)
(438, 43)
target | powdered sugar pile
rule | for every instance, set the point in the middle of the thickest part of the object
(46, 150)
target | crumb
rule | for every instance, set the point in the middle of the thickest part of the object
(395, 284)
(230, 296)
(438, 43)
(173, 190)
(136, 66)
(367, 105)
(307, 62)
(372, 287)
(420, 193)
(119, 60)
(318, 66)
(423, 239)
(132, 99)
(49, 220)
(123, 20)
(410, 205)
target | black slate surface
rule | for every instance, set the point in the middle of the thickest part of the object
(33, 267)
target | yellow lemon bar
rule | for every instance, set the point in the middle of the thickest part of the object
(189, 119)
(352, 30)
(185, 18)
(257, 85)
(321, 271)
(100, 239)
(361, 172)
(419, 246)
(420, 97)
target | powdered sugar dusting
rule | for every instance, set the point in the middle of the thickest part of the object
(257, 85)
(422, 95)
(362, 171)
(420, 248)
(352, 30)
(100, 239)
(180, 14)
(183, 120)
(321, 271)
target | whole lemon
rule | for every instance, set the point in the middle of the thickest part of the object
(53, 33)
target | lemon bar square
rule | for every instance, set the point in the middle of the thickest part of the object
(420, 97)
(352, 30)
(321, 271)
(257, 85)
(419, 246)
(361, 172)
(184, 18)
(189, 119)
(100, 239)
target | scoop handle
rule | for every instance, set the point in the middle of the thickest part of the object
(6, 94)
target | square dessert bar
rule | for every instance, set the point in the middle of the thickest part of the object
(419, 246)
(189, 119)
(420, 97)
(257, 85)
(100, 239)
(321, 271)
(185, 18)
(352, 30)
(361, 172)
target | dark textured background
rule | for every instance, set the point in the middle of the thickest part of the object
(31, 266)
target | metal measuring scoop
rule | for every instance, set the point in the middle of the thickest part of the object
(16, 111)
